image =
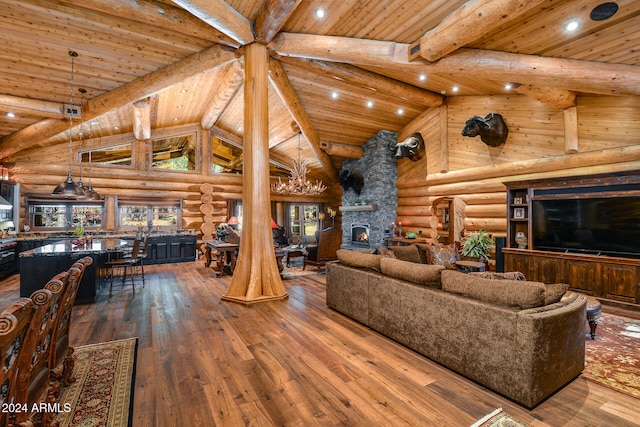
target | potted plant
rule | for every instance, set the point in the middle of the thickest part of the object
(478, 245)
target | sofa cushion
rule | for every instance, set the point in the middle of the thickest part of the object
(509, 293)
(359, 259)
(445, 255)
(423, 274)
(407, 253)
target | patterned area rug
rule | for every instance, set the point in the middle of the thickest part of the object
(103, 392)
(612, 359)
(498, 418)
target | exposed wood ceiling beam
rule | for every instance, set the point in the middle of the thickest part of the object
(555, 98)
(345, 49)
(466, 24)
(569, 74)
(223, 94)
(272, 17)
(282, 85)
(32, 107)
(142, 87)
(158, 14)
(142, 119)
(367, 79)
(220, 16)
(342, 150)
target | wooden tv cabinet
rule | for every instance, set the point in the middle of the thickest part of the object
(613, 278)
(603, 277)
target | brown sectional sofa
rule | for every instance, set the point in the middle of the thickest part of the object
(524, 340)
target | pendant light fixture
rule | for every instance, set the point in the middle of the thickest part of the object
(68, 188)
(298, 184)
(89, 191)
(81, 133)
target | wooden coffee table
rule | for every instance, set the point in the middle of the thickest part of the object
(293, 252)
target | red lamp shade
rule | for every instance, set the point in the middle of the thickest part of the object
(273, 224)
(233, 221)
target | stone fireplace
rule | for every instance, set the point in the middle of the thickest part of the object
(374, 210)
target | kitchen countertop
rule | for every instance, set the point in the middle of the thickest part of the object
(66, 247)
(100, 234)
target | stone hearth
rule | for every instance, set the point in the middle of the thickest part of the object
(378, 199)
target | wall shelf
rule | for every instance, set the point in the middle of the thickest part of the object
(363, 208)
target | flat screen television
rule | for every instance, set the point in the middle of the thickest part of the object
(599, 225)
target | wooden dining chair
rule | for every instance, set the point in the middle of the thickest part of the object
(61, 357)
(14, 324)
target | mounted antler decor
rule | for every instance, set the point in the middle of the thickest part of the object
(352, 179)
(412, 147)
(492, 129)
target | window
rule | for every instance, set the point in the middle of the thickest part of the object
(304, 223)
(226, 156)
(52, 214)
(149, 213)
(119, 155)
(176, 153)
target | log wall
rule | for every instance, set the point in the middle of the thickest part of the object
(40, 170)
(535, 148)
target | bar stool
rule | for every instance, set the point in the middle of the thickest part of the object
(126, 262)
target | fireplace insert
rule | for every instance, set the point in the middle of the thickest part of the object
(360, 235)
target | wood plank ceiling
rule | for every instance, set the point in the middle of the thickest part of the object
(184, 60)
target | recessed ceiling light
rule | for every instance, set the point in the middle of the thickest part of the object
(571, 25)
(455, 89)
(321, 13)
(9, 114)
(400, 111)
(334, 94)
(422, 77)
(184, 90)
(604, 11)
(175, 119)
(179, 106)
(116, 127)
(369, 104)
(508, 86)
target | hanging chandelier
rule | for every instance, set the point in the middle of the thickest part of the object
(298, 184)
(68, 188)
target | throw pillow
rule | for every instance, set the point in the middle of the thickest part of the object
(386, 252)
(359, 259)
(407, 253)
(554, 292)
(510, 275)
(423, 250)
(445, 255)
(423, 274)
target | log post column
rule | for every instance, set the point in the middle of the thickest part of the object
(256, 277)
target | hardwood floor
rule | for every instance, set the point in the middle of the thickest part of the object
(204, 362)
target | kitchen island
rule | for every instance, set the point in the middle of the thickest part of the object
(39, 265)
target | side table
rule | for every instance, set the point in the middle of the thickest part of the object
(226, 254)
(594, 310)
(469, 266)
